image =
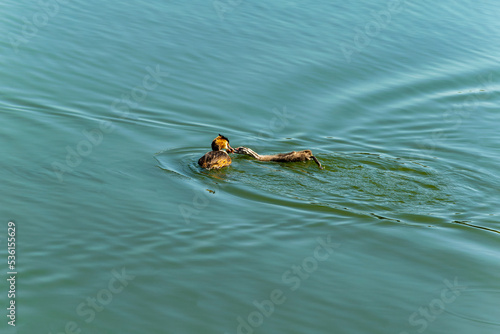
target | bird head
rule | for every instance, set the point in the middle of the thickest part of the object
(221, 143)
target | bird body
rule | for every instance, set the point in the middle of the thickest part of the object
(217, 158)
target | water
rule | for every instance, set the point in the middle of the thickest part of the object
(106, 108)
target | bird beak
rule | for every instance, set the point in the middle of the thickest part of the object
(230, 149)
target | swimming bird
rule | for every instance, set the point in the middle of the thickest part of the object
(280, 157)
(217, 158)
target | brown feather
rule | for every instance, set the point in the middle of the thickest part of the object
(215, 160)
(281, 157)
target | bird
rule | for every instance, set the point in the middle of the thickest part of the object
(217, 158)
(280, 157)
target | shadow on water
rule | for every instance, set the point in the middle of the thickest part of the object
(356, 182)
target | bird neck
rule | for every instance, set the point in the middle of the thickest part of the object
(254, 154)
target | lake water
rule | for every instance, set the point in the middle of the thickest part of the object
(106, 107)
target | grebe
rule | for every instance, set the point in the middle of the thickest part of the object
(217, 158)
(280, 157)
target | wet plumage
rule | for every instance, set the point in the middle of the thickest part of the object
(280, 157)
(217, 158)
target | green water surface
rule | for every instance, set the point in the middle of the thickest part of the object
(106, 107)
